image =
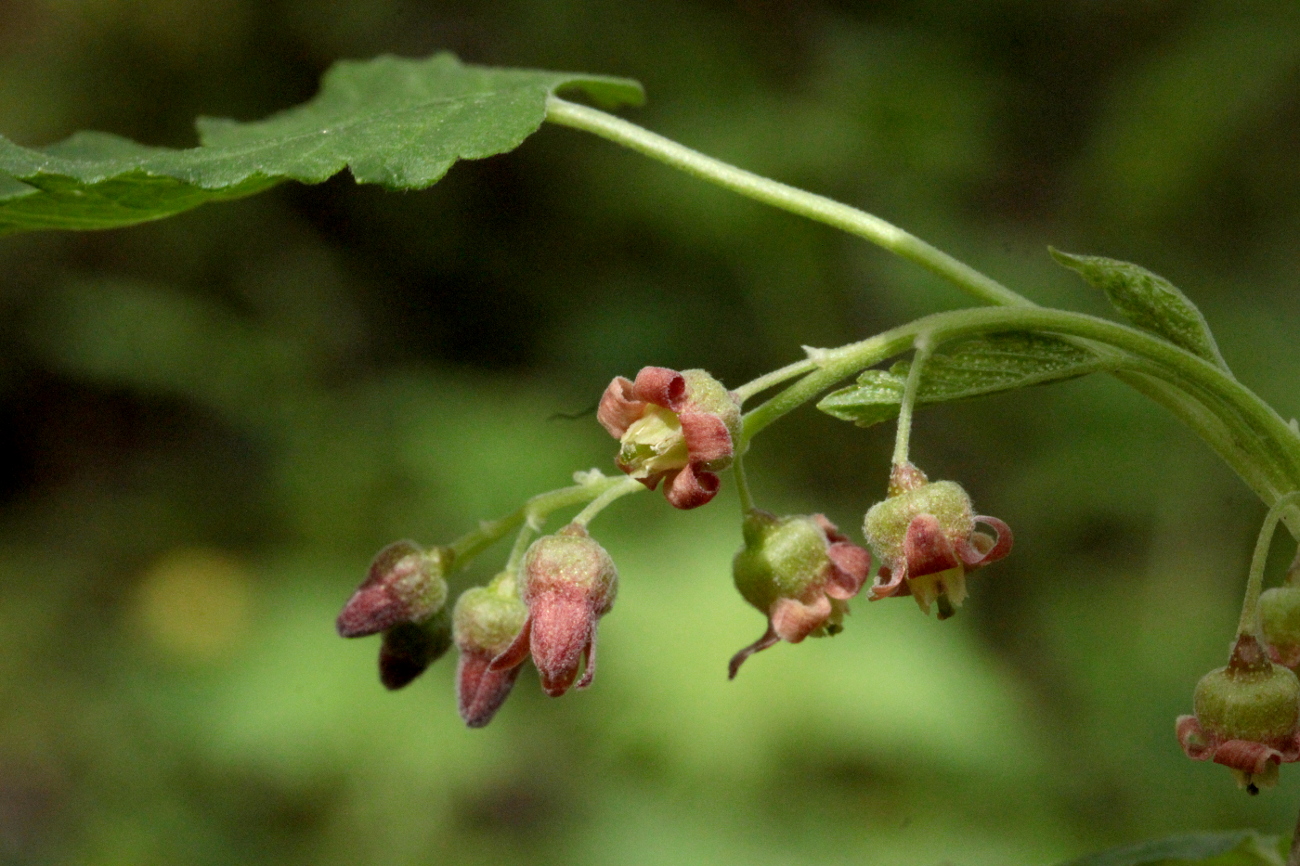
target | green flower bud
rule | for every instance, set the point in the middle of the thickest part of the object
(1279, 614)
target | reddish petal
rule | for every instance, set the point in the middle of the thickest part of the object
(926, 549)
(850, 566)
(513, 656)
(792, 620)
(889, 582)
(690, 487)
(588, 661)
(833, 534)
(1246, 755)
(973, 557)
(661, 386)
(1195, 743)
(768, 639)
(706, 436)
(481, 691)
(561, 631)
(370, 610)
(618, 408)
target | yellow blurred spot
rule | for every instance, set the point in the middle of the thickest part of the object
(196, 603)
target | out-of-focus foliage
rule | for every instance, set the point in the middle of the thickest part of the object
(212, 422)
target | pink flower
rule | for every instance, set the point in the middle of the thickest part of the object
(486, 622)
(925, 534)
(569, 582)
(800, 572)
(1246, 717)
(680, 428)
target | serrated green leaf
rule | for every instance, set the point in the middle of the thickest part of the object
(1149, 301)
(393, 121)
(970, 368)
(1237, 848)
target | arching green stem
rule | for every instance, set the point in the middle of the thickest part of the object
(924, 346)
(1249, 622)
(623, 488)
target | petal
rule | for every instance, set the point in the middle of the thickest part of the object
(1246, 755)
(792, 620)
(707, 438)
(1195, 743)
(926, 549)
(850, 566)
(691, 487)
(890, 581)
(661, 386)
(973, 557)
(588, 662)
(514, 655)
(768, 639)
(370, 610)
(561, 631)
(618, 408)
(481, 691)
(833, 534)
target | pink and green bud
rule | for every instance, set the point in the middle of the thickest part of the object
(1247, 717)
(924, 534)
(678, 428)
(405, 584)
(800, 573)
(568, 583)
(486, 622)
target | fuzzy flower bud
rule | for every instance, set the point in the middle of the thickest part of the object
(569, 582)
(486, 622)
(924, 533)
(680, 428)
(404, 584)
(800, 572)
(1246, 717)
(404, 596)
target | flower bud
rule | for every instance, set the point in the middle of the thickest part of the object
(680, 428)
(569, 582)
(1246, 717)
(486, 622)
(1279, 614)
(924, 533)
(405, 584)
(800, 572)
(408, 648)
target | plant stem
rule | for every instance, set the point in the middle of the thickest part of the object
(924, 346)
(1222, 400)
(742, 485)
(617, 491)
(535, 511)
(792, 199)
(1249, 622)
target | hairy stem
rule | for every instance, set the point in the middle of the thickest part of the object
(924, 346)
(797, 201)
(1249, 623)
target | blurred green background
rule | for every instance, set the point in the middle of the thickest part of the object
(210, 424)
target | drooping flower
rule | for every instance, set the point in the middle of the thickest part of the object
(679, 428)
(1279, 616)
(798, 571)
(1247, 717)
(924, 532)
(486, 622)
(568, 583)
(403, 596)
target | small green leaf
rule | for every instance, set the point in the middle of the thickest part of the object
(393, 121)
(970, 368)
(1149, 301)
(1237, 848)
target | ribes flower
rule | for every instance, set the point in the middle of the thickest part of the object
(798, 571)
(924, 532)
(403, 596)
(568, 583)
(1279, 616)
(1246, 717)
(679, 428)
(486, 622)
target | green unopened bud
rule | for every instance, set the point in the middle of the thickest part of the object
(1250, 699)
(1279, 614)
